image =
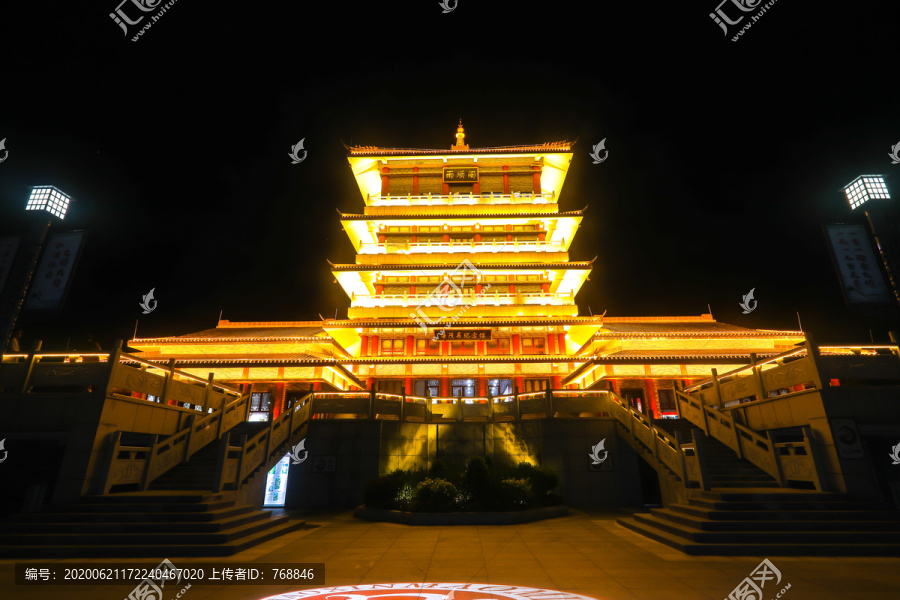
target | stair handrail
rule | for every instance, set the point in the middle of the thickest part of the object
(662, 447)
(143, 464)
(259, 449)
(749, 444)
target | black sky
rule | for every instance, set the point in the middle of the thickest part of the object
(725, 159)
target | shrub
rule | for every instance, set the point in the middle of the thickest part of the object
(382, 492)
(435, 495)
(515, 494)
(543, 483)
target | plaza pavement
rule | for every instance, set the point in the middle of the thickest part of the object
(584, 553)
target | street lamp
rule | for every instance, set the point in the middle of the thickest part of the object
(871, 191)
(42, 198)
(47, 197)
(865, 188)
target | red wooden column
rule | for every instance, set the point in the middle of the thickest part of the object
(536, 178)
(556, 382)
(505, 180)
(651, 399)
(375, 346)
(445, 386)
(415, 191)
(279, 399)
(364, 345)
(562, 342)
(407, 385)
(516, 344)
(482, 385)
(520, 383)
(551, 344)
(385, 180)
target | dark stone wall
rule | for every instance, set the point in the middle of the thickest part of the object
(361, 450)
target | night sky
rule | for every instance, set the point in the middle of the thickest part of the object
(725, 158)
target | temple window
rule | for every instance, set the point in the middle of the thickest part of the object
(392, 346)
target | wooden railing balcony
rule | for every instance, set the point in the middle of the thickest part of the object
(460, 246)
(486, 298)
(460, 199)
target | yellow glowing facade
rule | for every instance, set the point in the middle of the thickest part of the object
(463, 286)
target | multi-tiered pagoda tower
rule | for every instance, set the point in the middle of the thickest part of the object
(462, 283)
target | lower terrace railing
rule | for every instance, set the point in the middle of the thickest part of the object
(565, 404)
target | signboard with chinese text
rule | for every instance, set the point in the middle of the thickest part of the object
(460, 175)
(51, 281)
(857, 265)
(8, 248)
(462, 334)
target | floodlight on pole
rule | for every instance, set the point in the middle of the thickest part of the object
(42, 198)
(46, 197)
(865, 188)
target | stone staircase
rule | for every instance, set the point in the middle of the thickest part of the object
(726, 470)
(198, 473)
(772, 522)
(142, 524)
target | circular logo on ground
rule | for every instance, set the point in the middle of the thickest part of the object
(429, 591)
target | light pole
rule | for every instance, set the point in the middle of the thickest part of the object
(48, 202)
(871, 193)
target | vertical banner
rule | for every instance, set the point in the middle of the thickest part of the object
(857, 266)
(51, 281)
(8, 247)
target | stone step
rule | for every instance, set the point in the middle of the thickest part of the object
(152, 551)
(779, 504)
(126, 517)
(775, 525)
(756, 549)
(222, 524)
(760, 536)
(86, 506)
(142, 497)
(787, 515)
(137, 538)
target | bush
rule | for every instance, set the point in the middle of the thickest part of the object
(515, 494)
(543, 483)
(475, 486)
(435, 495)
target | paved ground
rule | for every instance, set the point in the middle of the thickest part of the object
(584, 553)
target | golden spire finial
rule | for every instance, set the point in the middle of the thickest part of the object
(460, 138)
